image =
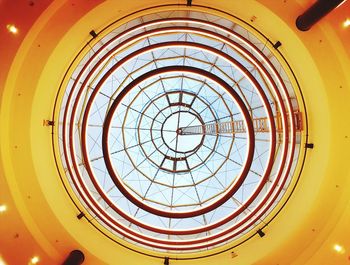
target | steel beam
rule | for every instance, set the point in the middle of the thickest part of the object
(238, 126)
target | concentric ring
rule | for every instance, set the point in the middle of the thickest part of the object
(106, 150)
(162, 123)
(177, 133)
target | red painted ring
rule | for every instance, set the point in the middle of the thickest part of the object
(109, 164)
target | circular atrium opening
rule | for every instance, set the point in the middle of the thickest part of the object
(180, 131)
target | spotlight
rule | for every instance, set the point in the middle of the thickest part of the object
(315, 13)
(277, 45)
(48, 123)
(261, 233)
(76, 257)
(93, 33)
(166, 261)
(309, 145)
(81, 215)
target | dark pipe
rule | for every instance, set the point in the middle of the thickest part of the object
(317, 11)
(76, 257)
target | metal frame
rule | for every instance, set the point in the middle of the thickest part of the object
(226, 234)
(107, 124)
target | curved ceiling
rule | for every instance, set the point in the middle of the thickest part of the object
(41, 218)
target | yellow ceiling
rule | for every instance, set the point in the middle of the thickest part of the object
(41, 219)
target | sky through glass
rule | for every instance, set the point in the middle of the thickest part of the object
(180, 131)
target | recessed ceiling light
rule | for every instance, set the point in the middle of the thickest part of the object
(34, 260)
(346, 23)
(338, 248)
(3, 208)
(12, 28)
(2, 262)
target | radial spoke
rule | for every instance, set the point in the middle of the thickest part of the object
(139, 112)
(237, 163)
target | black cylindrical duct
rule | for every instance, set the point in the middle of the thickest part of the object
(76, 257)
(317, 11)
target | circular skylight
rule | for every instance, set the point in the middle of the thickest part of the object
(180, 131)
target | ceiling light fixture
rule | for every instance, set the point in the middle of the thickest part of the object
(2, 262)
(346, 23)
(34, 260)
(261, 233)
(12, 28)
(3, 208)
(338, 248)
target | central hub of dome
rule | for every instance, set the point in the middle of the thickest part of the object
(171, 132)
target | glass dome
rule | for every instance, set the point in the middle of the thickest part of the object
(180, 131)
